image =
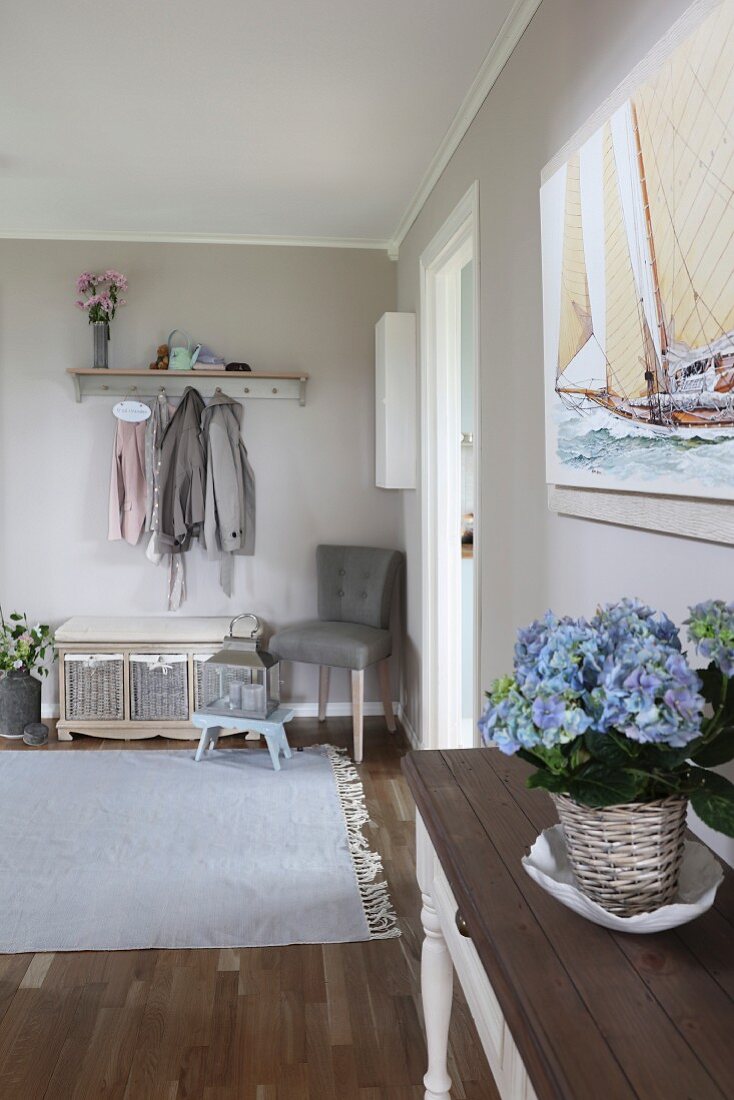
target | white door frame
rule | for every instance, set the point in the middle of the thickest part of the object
(440, 274)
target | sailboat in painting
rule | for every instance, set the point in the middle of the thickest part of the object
(667, 196)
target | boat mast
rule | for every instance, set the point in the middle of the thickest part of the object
(653, 390)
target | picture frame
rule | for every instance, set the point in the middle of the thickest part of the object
(638, 310)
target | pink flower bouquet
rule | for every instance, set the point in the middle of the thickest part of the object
(103, 294)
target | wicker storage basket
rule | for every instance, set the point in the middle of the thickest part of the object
(212, 682)
(627, 858)
(93, 685)
(159, 687)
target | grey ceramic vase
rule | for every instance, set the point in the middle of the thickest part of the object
(101, 344)
(20, 702)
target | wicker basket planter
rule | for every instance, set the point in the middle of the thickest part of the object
(628, 857)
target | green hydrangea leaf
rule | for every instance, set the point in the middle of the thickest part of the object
(528, 756)
(548, 781)
(598, 785)
(606, 748)
(712, 690)
(711, 682)
(714, 802)
(663, 758)
(718, 751)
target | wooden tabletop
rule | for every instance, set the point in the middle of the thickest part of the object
(594, 1013)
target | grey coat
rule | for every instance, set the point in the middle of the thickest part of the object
(229, 499)
(182, 476)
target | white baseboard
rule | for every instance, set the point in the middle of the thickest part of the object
(302, 710)
(336, 710)
(410, 733)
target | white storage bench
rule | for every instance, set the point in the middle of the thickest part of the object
(131, 678)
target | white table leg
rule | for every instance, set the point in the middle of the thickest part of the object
(437, 985)
(203, 742)
(273, 741)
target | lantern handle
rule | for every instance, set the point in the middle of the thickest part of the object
(257, 628)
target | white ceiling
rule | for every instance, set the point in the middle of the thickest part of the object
(292, 118)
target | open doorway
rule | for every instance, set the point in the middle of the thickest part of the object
(450, 447)
(467, 367)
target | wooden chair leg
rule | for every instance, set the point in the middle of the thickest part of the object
(357, 713)
(324, 672)
(383, 670)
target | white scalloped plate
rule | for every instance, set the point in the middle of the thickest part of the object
(700, 876)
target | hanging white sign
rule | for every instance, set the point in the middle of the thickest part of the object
(133, 411)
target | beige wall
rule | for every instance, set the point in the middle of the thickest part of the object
(571, 57)
(277, 308)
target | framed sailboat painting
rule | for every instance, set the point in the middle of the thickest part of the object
(637, 218)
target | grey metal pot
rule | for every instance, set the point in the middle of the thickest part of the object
(20, 702)
(101, 344)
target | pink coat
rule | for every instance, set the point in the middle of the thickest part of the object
(127, 483)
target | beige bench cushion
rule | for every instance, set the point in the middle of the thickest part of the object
(103, 629)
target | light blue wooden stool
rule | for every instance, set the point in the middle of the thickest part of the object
(272, 729)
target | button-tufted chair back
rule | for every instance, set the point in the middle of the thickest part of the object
(356, 584)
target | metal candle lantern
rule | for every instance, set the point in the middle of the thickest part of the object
(241, 678)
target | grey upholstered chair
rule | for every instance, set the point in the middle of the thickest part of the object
(355, 587)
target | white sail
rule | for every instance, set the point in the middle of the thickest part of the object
(685, 116)
(576, 327)
(628, 344)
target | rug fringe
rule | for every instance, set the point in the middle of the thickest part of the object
(381, 917)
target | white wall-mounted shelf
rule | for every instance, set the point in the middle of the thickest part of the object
(91, 382)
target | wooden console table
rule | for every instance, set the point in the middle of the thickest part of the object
(565, 1009)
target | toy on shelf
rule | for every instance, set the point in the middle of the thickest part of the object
(161, 362)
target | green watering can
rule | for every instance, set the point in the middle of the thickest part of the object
(182, 358)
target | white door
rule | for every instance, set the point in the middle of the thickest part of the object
(450, 447)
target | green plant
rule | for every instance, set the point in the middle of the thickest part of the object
(610, 711)
(24, 648)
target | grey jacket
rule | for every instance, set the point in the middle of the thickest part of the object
(229, 499)
(182, 476)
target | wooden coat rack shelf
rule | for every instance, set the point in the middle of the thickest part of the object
(91, 382)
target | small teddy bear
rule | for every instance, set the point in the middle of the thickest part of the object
(161, 362)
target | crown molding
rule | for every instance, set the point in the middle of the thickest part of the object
(192, 238)
(507, 39)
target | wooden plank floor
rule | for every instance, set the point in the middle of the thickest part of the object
(331, 1022)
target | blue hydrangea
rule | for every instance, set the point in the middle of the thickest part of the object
(560, 655)
(621, 671)
(711, 629)
(630, 618)
(648, 692)
(511, 722)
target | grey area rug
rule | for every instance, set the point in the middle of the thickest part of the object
(121, 849)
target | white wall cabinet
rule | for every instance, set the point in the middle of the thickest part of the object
(395, 401)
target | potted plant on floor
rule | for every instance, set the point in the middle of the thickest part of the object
(623, 732)
(23, 651)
